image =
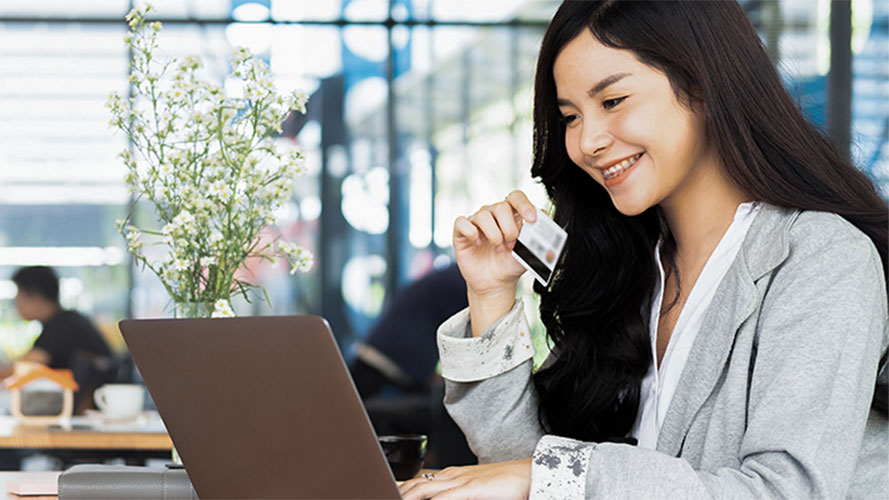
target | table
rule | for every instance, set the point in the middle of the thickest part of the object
(26, 476)
(91, 432)
(91, 439)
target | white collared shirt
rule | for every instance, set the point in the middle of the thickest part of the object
(660, 383)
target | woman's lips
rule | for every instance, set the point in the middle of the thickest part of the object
(615, 174)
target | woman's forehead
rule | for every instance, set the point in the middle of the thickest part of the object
(586, 56)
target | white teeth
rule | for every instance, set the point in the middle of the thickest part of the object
(618, 169)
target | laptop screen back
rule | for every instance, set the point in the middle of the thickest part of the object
(260, 407)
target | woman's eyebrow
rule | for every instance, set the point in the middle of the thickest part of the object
(605, 82)
(599, 87)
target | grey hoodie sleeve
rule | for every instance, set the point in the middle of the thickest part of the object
(488, 388)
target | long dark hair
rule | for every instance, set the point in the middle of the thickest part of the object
(597, 309)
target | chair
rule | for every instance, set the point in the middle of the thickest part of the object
(91, 372)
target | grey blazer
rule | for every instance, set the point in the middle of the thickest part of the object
(774, 401)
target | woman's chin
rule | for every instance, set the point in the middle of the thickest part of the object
(629, 208)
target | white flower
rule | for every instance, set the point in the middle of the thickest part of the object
(295, 163)
(184, 219)
(282, 186)
(298, 100)
(208, 261)
(181, 264)
(131, 180)
(202, 205)
(215, 238)
(305, 260)
(218, 189)
(287, 248)
(222, 309)
(133, 236)
(300, 259)
(240, 56)
(191, 62)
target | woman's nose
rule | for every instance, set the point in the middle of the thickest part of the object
(594, 139)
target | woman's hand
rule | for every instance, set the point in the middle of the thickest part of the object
(503, 480)
(484, 240)
(483, 244)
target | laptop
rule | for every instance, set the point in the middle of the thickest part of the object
(260, 407)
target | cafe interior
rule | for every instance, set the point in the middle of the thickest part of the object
(416, 112)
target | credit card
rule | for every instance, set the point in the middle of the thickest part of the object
(539, 247)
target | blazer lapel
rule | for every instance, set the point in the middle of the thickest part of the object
(734, 302)
(764, 248)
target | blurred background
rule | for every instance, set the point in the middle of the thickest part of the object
(420, 111)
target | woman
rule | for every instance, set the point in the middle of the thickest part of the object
(720, 311)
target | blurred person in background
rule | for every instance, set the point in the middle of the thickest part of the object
(69, 340)
(400, 349)
(395, 366)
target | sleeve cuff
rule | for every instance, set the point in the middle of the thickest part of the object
(502, 347)
(559, 468)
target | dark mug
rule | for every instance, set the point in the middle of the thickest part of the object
(405, 454)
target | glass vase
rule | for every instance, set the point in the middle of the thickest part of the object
(185, 310)
(191, 310)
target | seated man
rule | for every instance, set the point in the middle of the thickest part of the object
(68, 338)
(401, 353)
(401, 349)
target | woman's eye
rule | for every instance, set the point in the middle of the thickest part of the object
(610, 103)
(568, 119)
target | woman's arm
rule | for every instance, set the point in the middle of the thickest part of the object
(486, 349)
(489, 393)
(488, 387)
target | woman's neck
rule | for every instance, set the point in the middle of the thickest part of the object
(700, 216)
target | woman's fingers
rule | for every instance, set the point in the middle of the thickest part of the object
(522, 205)
(505, 217)
(499, 223)
(484, 220)
(421, 489)
(504, 480)
(496, 222)
(463, 228)
(427, 485)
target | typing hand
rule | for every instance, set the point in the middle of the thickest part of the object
(502, 480)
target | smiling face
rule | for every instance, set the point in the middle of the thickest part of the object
(626, 129)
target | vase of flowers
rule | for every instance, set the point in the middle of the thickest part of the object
(209, 166)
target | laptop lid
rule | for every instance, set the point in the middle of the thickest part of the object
(260, 407)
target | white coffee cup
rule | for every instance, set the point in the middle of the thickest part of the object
(120, 400)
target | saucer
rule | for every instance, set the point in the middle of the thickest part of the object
(114, 419)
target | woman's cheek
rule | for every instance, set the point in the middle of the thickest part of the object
(573, 148)
(630, 126)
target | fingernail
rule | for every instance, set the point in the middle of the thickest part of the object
(530, 214)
